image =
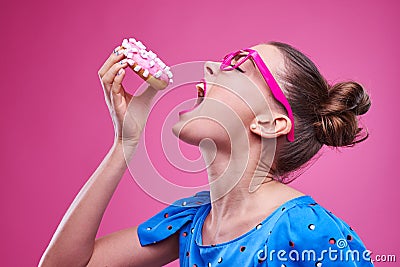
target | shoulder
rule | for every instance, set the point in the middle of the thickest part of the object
(172, 218)
(309, 217)
(309, 227)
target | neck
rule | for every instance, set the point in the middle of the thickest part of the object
(236, 175)
(242, 190)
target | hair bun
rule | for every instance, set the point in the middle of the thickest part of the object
(338, 123)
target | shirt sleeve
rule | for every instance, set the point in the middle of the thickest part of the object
(171, 219)
(309, 235)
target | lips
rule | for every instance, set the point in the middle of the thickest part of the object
(201, 92)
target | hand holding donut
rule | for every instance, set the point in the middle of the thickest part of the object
(128, 118)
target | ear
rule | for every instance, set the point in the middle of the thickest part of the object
(271, 127)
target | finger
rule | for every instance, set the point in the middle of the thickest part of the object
(109, 77)
(116, 87)
(117, 90)
(112, 59)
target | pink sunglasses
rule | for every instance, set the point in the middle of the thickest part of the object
(240, 57)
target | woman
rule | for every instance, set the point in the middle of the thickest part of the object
(257, 127)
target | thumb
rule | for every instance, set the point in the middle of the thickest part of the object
(116, 99)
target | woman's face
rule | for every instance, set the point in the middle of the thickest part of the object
(231, 102)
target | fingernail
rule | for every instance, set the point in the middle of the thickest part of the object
(122, 62)
(120, 52)
(116, 50)
(120, 71)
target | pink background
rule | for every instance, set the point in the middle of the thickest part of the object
(56, 127)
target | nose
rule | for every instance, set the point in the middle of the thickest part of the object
(211, 68)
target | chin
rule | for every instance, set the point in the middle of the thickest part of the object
(193, 130)
(186, 132)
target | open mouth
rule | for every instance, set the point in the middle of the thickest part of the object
(201, 92)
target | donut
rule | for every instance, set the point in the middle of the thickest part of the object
(146, 63)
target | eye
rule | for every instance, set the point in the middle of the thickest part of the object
(235, 60)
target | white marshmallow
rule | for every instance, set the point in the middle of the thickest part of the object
(145, 73)
(137, 68)
(128, 46)
(131, 62)
(152, 55)
(125, 42)
(158, 74)
(140, 45)
(152, 63)
(162, 64)
(143, 54)
(169, 73)
(132, 40)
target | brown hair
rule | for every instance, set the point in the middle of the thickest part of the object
(324, 114)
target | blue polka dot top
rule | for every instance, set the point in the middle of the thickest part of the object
(298, 233)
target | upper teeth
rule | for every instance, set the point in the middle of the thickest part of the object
(200, 86)
(200, 89)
